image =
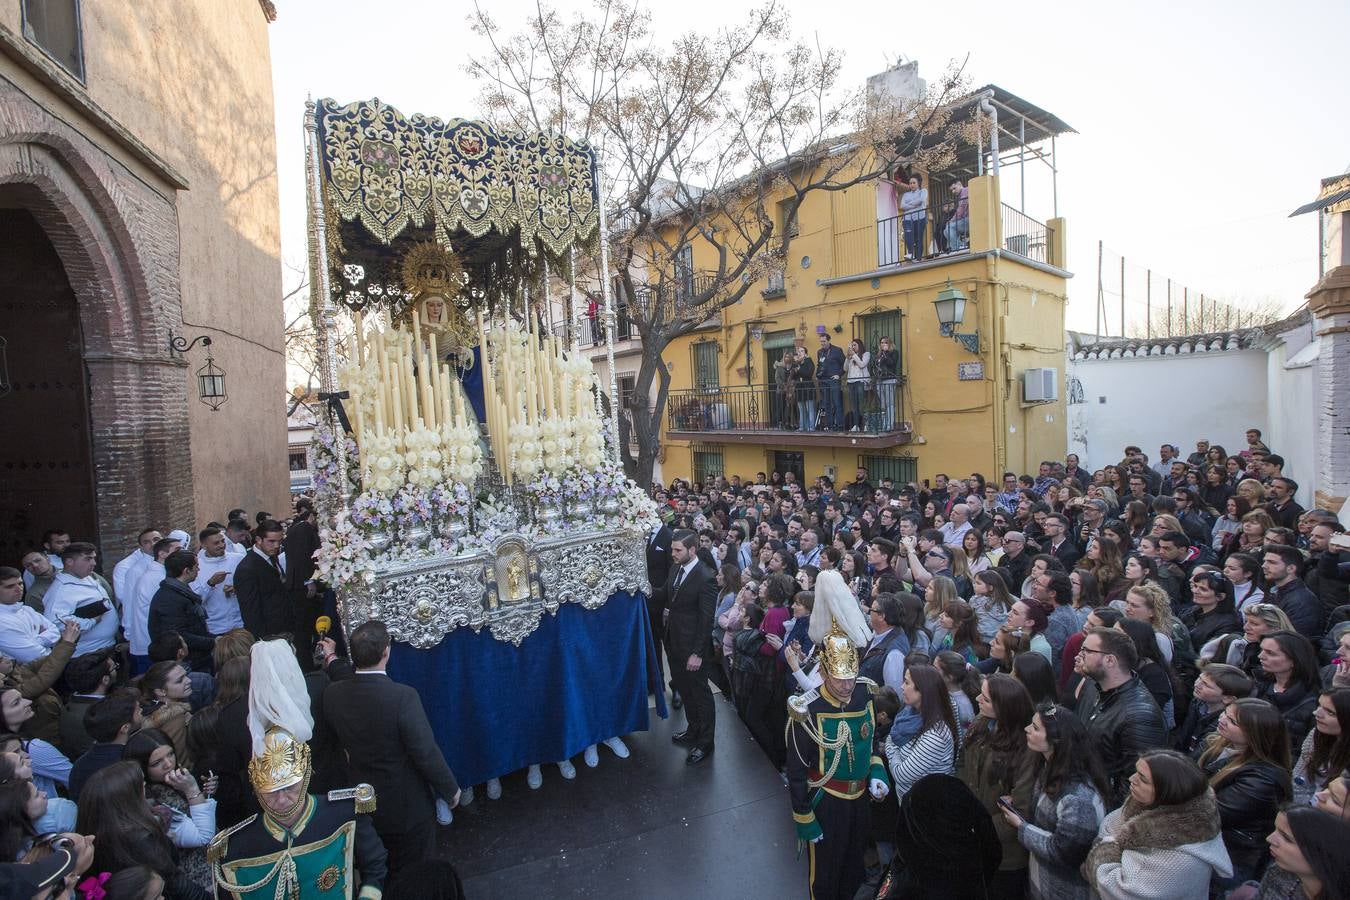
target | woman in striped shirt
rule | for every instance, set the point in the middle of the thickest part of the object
(926, 741)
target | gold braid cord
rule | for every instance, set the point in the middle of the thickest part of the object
(843, 741)
(288, 881)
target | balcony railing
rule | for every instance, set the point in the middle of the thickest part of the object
(912, 236)
(1025, 236)
(774, 409)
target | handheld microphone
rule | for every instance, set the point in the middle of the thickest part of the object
(322, 625)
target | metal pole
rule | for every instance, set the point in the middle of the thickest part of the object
(573, 322)
(326, 320)
(1122, 296)
(1169, 307)
(1186, 310)
(1022, 158)
(606, 293)
(1099, 289)
(1148, 304)
(1054, 174)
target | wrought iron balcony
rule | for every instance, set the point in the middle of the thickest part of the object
(770, 415)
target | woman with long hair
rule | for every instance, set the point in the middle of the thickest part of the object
(175, 790)
(1067, 804)
(1037, 676)
(129, 832)
(1307, 849)
(1247, 763)
(1137, 519)
(963, 686)
(940, 592)
(1166, 841)
(21, 804)
(1234, 508)
(972, 549)
(1243, 651)
(1138, 569)
(996, 764)
(930, 746)
(1214, 612)
(991, 603)
(165, 692)
(1153, 671)
(1290, 679)
(1215, 492)
(961, 632)
(1150, 603)
(1087, 594)
(1244, 571)
(1005, 648)
(1250, 536)
(1325, 754)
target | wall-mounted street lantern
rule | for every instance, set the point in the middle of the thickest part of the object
(951, 312)
(210, 377)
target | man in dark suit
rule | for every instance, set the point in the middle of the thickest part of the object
(1057, 541)
(302, 539)
(690, 597)
(389, 744)
(260, 586)
(658, 570)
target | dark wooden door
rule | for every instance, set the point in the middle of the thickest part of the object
(46, 475)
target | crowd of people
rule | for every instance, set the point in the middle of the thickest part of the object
(1140, 673)
(165, 728)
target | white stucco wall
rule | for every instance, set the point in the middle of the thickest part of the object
(1293, 398)
(1176, 399)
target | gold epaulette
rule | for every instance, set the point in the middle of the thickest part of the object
(220, 844)
(799, 705)
(872, 686)
(363, 794)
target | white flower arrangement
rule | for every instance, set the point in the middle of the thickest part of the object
(526, 451)
(344, 555)
(639, 512)
(424, 458)
(386, 461)
(462, 456)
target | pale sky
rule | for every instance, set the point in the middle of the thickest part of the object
(1201, 125)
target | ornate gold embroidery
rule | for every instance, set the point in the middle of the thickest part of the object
(329, 878)
(390, 171)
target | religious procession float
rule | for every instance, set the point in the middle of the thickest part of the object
(468, 479)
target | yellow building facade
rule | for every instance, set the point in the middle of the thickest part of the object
(963, 404)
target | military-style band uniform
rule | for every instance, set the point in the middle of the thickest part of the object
(330, 851)
(829, 766)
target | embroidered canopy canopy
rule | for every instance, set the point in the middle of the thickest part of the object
(498, 198)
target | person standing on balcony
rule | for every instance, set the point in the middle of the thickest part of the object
(829, 372)
(784, 399)
(957, 231)
(888, 376)
(859, 379)
(803, 376)
(914, 209)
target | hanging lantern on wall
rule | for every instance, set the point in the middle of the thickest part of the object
(210, 377)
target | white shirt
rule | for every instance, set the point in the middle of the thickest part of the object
(281, 558)
(136, 608)
(222, 611)
(24, 634)
(66, 594)
(953, 533)
(127, 572)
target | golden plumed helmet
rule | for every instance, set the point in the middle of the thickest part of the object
(838, 656)
(282, 762)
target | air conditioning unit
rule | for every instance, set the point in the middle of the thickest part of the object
(1040, 385)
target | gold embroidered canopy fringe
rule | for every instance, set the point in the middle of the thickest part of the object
(387, 172)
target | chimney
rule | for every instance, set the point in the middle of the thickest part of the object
(899, 85)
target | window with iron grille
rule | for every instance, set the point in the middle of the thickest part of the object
(708, 465)
(900, 469)
(299, 460)
(706, 375)
(54, 26)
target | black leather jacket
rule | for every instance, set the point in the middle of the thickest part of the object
(1123, 723)
(1248, 800)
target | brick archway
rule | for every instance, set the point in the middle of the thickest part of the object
(117, 239)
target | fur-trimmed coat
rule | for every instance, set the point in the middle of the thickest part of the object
(1163, 853)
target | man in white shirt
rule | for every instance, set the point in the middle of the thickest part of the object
(955, 530)
(1167, 454)
(24, 634)
(54, 540)
(215, 582)
(809, 554)
(77, 588)
(136, 608)
(128, 571)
